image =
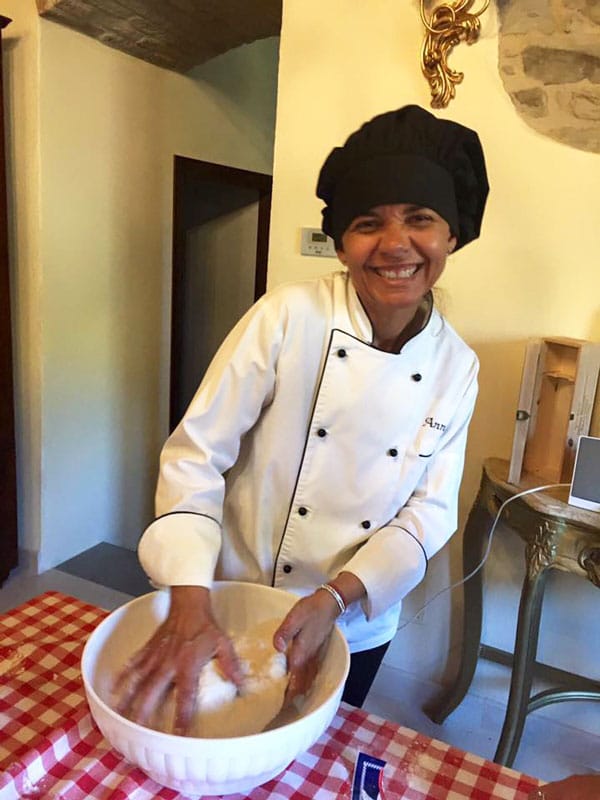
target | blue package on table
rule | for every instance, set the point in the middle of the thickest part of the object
(368, 773)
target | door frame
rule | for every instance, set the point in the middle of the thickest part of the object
(190, 170)
(8, 468)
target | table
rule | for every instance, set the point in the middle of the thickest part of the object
(51, 748)
(556, 536)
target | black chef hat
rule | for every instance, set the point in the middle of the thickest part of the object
(406, 156)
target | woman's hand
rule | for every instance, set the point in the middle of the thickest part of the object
(576, 787)
(173, 658)
(302, 634)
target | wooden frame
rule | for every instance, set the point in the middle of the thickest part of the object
(8, 471)
(556, 402)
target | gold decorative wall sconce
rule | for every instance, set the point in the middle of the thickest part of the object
(448, 24)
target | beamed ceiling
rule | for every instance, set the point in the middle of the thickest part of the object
(175, 34)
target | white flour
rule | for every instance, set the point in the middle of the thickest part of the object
(222, 710)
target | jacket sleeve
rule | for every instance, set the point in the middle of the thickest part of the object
(394, 559)
(182, 545)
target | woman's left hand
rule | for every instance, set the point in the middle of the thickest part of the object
(302, 635)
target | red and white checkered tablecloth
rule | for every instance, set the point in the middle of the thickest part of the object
(51, 748)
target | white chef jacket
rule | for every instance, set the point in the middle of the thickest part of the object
(307, 451)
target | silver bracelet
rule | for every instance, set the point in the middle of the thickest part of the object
(335, 594)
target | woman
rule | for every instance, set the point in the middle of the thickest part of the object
(324, 448)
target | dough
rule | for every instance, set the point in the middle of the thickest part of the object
(223, 711)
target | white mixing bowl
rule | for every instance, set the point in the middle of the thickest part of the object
(207, 766)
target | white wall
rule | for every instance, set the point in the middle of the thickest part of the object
(102, 131)
(107, 172)
(534, 272)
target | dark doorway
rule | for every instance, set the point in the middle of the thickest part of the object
(220, 242)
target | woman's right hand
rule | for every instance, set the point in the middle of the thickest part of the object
(576, 787)
(172, 660)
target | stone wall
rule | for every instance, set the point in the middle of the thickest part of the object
(549, 59)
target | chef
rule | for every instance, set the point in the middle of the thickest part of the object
(323, 451)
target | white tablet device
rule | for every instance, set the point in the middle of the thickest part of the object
(585, 484)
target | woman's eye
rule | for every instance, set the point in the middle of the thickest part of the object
(420, 219)
(364, 225)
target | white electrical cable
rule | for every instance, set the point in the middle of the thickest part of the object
(487, 550)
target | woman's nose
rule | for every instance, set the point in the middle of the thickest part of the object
(395, 237)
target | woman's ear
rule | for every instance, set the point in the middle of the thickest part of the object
(451, 244)
(341, 255)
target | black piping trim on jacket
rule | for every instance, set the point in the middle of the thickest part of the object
(195, 513)
(429, 312)
(310, 422)
(173, 513)
(416, 540)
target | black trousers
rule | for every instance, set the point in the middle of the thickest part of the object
(363, 669)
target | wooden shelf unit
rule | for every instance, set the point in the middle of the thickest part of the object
(558, 388)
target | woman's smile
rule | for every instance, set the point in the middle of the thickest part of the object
(404, 272)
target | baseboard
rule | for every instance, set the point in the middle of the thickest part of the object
(29, 562)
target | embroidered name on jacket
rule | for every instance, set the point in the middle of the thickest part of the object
(437, 426)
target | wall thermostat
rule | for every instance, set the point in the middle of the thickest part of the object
(316, 243)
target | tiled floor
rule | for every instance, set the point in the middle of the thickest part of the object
(111, 566)
(557, 741)
(19, 588)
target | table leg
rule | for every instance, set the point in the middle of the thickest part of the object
(475, 541)
(526, 641)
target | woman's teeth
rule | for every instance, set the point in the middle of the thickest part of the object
(393, 274)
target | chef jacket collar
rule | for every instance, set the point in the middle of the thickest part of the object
(361, 324)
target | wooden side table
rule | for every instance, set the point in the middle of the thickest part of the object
(556, 536)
